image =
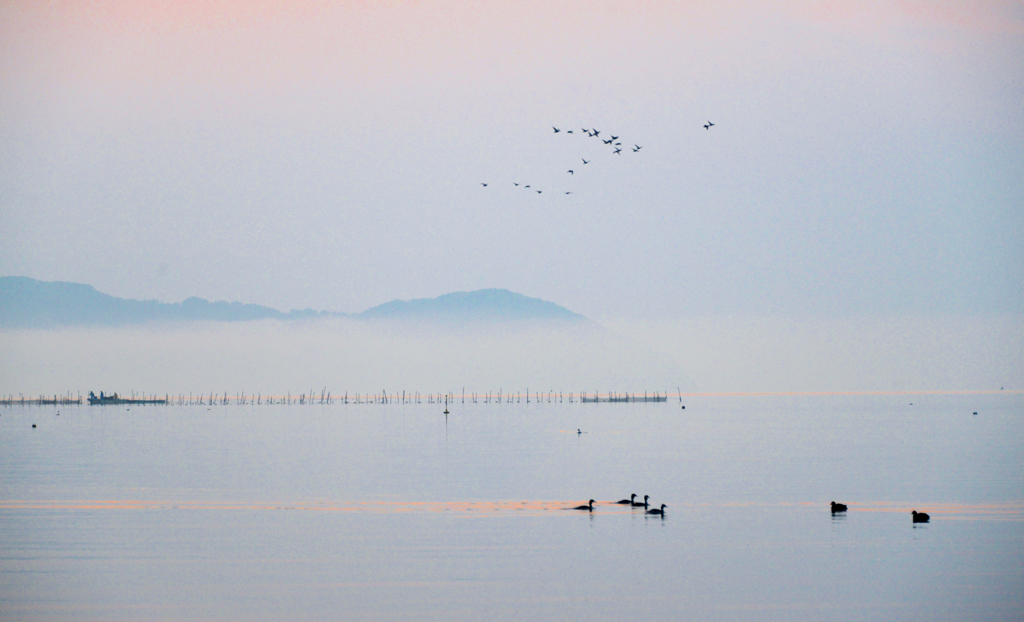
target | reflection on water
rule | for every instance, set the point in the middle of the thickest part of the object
(386, 512)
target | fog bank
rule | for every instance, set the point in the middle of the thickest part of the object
(730, 353)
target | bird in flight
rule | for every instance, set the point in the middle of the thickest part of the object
(526, 186)
(618, 150)
(556, 129)
(636, 147)
(539, 191)
(615, 137)
(596, 133)
(607, 142)
(515, 183)
(568, 192)
(568, 131)
(483, 184)
(585, 161)
(708, 126)
(570, 172)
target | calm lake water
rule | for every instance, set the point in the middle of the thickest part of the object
(363, 512)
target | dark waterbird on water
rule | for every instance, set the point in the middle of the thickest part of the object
(589, 507)
(641, 505)
(919, 517)
(659, 511)
(838, 507)
(627, 501)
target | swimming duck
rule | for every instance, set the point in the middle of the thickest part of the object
(659, 511)
(838, 507)
(629, 501)
(919, 517)
(588, 507)
(641, 505)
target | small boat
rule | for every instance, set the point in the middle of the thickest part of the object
(116, 400)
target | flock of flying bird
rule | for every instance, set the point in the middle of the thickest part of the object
(612, 142)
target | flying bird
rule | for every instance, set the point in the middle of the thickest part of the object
(596, 133)
(585, 161)
(568, 192)
(568, 131)
(556, 129)
(515, 184)
(708, 126)
(539, 191)
(526, 186)
(483, 184)
(637, 147)
(570, 172)
(615, 137)
(618, 150)
(607, 142)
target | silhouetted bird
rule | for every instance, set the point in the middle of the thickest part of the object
(615, 137)
(556, 129)
(607, 142)
(627, 501)
(637, 147)
(919, 517)
(596, 133)
(589, 507)
(659, 511)
(708, 126)
(585, 161)
(526, 186)
(570, 172)
(641, 505)
(618, 151)
(571, 193)
(568, 131)
(838, 507)
(539, 191)
(483, 184)
(515, 184)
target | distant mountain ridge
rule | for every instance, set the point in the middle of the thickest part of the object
(482, 304)
(28, 303)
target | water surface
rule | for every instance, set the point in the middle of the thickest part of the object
(393, 511)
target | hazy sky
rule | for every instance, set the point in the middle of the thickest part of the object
(866, 155)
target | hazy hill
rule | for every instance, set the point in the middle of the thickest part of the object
(483, 304)
(28, 303)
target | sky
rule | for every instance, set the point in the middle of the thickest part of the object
(866, 157)
(853, 220)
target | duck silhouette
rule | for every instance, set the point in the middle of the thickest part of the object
(589, 507)
(838, 507)
(627, 501)
(919, 517)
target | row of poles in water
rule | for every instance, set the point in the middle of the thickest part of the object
(327, 398)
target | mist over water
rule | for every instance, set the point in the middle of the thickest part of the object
(725, 353)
